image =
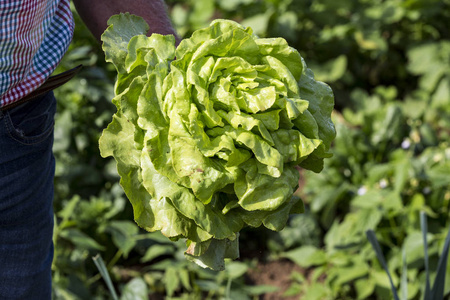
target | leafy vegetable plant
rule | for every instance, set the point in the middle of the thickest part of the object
(208, 135)
(430, 293)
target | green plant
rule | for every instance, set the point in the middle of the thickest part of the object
(100, 264)
(204, 130)
(379, 57)
(380, 177)
(387, 166)
(430, 293)
(91, 214)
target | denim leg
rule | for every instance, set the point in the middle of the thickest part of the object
(27, 169)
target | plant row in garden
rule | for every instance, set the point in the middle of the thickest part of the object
(387, 62)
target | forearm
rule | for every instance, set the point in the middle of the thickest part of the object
(95, 14)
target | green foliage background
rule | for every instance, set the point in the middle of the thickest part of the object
(388, 63)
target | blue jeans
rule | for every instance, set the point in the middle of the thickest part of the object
(27, 169)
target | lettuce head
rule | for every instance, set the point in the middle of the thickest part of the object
(208, 135)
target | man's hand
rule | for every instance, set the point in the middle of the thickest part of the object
(95, 14)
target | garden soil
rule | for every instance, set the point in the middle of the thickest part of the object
(276, 273)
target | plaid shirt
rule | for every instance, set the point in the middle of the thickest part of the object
(34, 36)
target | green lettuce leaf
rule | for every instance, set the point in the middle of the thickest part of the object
(207, 135)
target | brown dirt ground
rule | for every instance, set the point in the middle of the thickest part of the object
(276, 273)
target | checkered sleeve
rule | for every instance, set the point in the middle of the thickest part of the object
(34, 36)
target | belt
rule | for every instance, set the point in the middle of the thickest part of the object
(50, 84)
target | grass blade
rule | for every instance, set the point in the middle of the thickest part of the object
(100, 264)
(424, 227)
(404, 281)
(437, 291)
(376, 246)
